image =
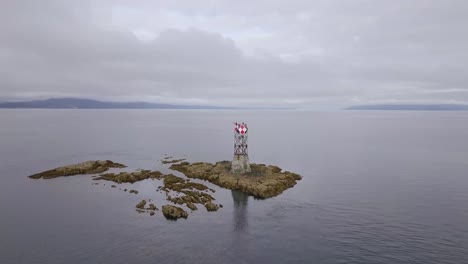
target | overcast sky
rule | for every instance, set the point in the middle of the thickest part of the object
(317, 54)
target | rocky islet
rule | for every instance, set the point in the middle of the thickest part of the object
(262, 182)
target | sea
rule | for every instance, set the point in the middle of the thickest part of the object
(378, 187)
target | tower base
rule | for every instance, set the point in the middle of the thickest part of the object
(240, 164)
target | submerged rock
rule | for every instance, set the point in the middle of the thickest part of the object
(87, 167)
(263, 181)
(133, 191)
(174, 212)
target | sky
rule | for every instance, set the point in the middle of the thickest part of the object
(308, 54)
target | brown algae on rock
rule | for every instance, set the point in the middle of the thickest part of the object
(262, 182)
(87, 167)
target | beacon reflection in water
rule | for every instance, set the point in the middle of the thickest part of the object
(240, 210)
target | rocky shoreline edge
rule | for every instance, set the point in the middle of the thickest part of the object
(263, 182)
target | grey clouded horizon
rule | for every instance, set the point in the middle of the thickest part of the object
(307, 54)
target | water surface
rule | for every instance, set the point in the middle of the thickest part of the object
(378, 187)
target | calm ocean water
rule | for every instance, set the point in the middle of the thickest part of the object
(378, 187)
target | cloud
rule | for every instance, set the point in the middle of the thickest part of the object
(310, 54)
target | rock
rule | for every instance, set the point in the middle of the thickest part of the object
(262, 182)
(220, 205)
(211, 207)
(166, 161)
(152, 213)
(192, 206)
(125, 190)
(87, 167)
(130, 177)
(152, 207)
(133, 191)
(174, 212)
(113, 186)
(141, 205)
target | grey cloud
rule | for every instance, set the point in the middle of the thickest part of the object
(311, 54)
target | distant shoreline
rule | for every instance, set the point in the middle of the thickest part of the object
(78, 103)
(410, 107)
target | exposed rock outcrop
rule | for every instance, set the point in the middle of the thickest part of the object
(174, 212)
(263, 181)
(166, 161)
(130, 177)
(87, 167)
(192, 191)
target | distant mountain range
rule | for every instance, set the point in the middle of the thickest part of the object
(411, 107)
(77, 103)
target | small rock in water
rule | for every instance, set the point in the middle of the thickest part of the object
(141, 205)
(152, 207)
(174, 212)
(152, 213)
(192, 206)
(113, 186)
(133, 191)
(211, 207)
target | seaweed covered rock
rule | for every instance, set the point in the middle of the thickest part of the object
(174, 212)
(87, 167)
(130, 177)
(263, 181)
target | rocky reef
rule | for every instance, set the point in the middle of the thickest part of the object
(263, 181)
(190, 193)
(87, 167)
